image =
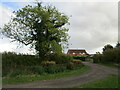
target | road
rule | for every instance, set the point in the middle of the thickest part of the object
(96, 72)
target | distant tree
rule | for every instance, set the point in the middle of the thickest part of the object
(117, 45)
(106, 47)
(39, 26)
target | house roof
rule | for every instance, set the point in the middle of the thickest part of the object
(77, 52)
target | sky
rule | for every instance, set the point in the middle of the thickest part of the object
(92, 24)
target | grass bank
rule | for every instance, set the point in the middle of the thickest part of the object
(110, 65)
(108, 82)
(30, 78)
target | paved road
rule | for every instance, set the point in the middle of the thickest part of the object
(96, 72)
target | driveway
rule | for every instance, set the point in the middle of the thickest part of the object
(96, 72)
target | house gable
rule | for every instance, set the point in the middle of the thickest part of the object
(77, 52)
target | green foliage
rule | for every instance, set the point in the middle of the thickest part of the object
(16, 72)
(11, 61)
(29, 78)
(97, 58)
(35, 70)
(40, 26)
(117, 45)
(20, 64)
(55, 69)
(111, 55)
(47, 63)
(70, 66)
(74, 64)
(77, 61)
(108, 56)
(108, 82)
(108, 46)
(60, 58)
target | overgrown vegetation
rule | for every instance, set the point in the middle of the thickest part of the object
(20, 64)
(45, 76)
(109, 55)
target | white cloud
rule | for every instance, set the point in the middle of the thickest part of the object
(93, 24)
(61, 0)
(5, 14)
(5, 43)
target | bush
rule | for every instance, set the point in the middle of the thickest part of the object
(60, 68)
(55, 69)
(17, 72)
(26, 71)
(77, 61)
(60, 58)
(97, 58)
(35, 70)
(70, 66)
(108, 56)
(47, 63)
(111, 55)
(11, 61)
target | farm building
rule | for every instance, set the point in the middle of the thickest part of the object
(78, 53)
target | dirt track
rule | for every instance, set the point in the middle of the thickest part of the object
(96, 72)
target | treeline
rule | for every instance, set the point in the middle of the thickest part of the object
(110, 54)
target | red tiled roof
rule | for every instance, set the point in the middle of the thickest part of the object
(77, 52)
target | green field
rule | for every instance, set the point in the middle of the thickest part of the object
(29, 78)
(108, 82)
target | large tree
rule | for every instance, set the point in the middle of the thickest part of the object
(39, 26)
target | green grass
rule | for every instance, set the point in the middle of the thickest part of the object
(29, 78)
(108, 82)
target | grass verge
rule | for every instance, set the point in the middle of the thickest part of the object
(110, 65)
(29, 78)
(108, 82)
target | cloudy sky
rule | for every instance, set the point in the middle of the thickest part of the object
(92, 24)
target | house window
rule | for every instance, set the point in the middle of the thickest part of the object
(73, 53)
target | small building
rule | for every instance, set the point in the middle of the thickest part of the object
(78, 54)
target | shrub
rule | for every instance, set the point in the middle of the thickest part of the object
(77, 61)
(55, 69)
(60, 68)
(35, 70)
(13, 60)
(108, 56)
(26, 71)
(16, 72)
(50, 69)
(111, 55)
(97, 58)
(70, 66)
(47, 63)
(78, 66)
(60, 58)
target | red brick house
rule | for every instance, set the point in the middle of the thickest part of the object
(78, 53)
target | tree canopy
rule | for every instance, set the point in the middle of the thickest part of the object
(39, 26)
(118, 45)
(108, 46)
